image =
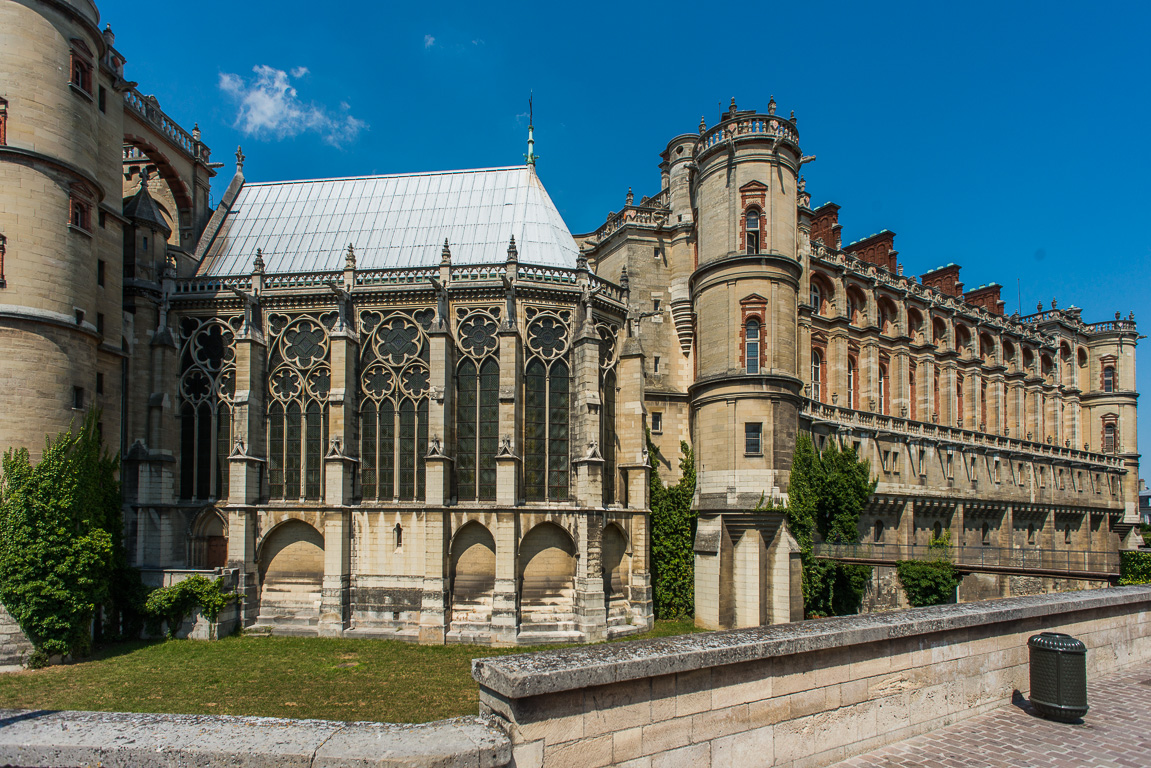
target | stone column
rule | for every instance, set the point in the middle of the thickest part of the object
(340, 464)
(590, 609)
(433, 606)
(505, 611)
(587, 458)
(438, 463)
(631, 423)
(509, 457)
(247, 462)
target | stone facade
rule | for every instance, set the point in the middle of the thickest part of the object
(453, 448)
(1013, 434)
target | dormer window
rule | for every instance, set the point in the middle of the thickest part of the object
(752, 231)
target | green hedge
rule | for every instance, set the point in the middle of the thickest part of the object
(1134, 567)
(928, 582)
(672, 537)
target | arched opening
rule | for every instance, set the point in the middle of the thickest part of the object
(856, 306)
(888, 315)
(547, 565)
(1009, 357)
(616, 575)
(963, 340)
(939, 333)
(937, 531)
(472, 578)
(752, 230)
(1031, 533)
(209, 539)
(816, 376)
(751, 345)
(878, 534)
(987, 348)
(291, 575)
(915, 325)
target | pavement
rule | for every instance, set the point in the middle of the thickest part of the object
(1116, 733)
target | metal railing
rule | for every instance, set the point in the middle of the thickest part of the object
(1024, 558)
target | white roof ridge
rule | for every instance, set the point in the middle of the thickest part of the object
(365, 177)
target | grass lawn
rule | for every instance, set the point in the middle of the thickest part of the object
(304, 677)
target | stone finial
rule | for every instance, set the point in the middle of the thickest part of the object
(350, 257)
(630, 196)
(109, 35)
(1131, 316)
(792, 118)
(446, 253)
(513, 252)
(1053, 304)
(702, 124)
(258, 263)
(239, 159)
(581, 261)
(195, 132)
(1118, 315)
(771, 106)
(624, 280)
(732, 108)
(802, 184)
(1039, 306)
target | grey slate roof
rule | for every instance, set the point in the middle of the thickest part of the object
(393, 221)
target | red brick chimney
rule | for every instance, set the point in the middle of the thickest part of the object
(825, 225)
(945, 279)
(986, 296)
(877, 249)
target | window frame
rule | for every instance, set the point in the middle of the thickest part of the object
(750, 345)
(753, 430)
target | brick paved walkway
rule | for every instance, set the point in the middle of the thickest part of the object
(1115, 734)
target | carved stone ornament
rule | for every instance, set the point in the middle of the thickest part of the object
(238, 449)
(335, 449)
(593, 451)
(435, 447)
(505, 446)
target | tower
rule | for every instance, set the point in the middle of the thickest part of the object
(61, 286)
(746, 396)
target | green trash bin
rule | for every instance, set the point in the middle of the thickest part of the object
(1058, 676)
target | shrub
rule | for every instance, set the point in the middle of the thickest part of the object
(672, 537)
(175, 602)
(826, 493)
(1134, 568)
(60, 538)
(928, 582)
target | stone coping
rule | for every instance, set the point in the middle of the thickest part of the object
(524, 675)
(122, 740)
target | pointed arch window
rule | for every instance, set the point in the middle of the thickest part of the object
(547, 387)
(394, 382)
(299, 382)
(477, 404)
(752, 230)
(816, 298)
(207, 385)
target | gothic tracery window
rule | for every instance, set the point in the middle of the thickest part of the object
(394, 382)
(547, 386)
(207, 385)
(477, 404)
(299, 382)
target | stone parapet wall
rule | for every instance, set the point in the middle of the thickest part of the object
(808, 693)
(120, 740)
(14, 646)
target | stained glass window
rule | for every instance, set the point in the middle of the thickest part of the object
(608, 437)
(207, 383)
(299, 382)
(394, 410)
(546, 417)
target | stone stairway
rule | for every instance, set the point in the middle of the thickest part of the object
(549, 618)
(289, 607)
(471, 621)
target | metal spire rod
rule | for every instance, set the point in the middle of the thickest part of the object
(531, 156)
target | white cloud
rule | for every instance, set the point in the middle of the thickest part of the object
(429, 41)
(269, 107)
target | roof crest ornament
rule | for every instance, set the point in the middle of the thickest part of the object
(513, 252)
(350, 257)
(446, 253)
(258, 264)
(531, 156)
(239, 158)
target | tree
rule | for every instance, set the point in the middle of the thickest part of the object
(826, 493)
(60, 538)
(672, 537)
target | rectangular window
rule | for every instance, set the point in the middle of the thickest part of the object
(753, 438)
(102, 99)
(78, 397)
(81, 74)
(657, 422)
(103, 218)
(99, 383)
(655, 364)
(81, 214)
(100, 323)
(655, 305)
(100, 271)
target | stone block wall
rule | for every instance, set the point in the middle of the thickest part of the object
(808, 693)
(14, 646)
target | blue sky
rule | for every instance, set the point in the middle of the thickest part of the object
(1009, 138)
